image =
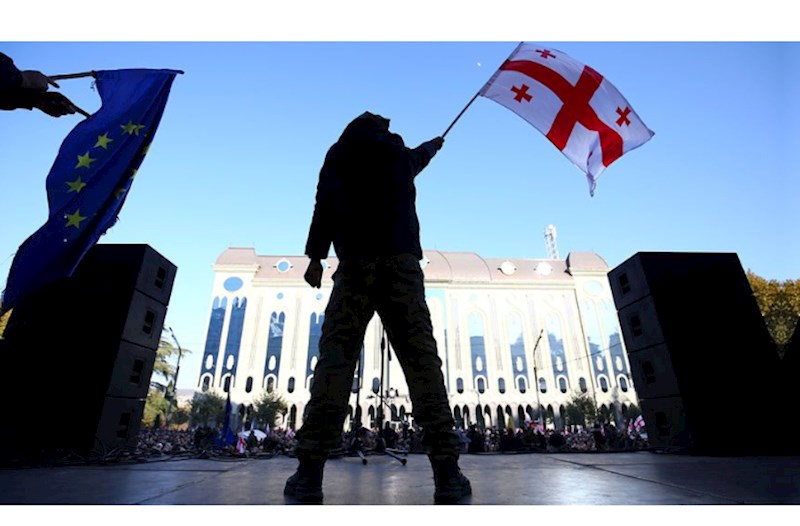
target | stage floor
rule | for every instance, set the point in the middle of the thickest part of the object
(638, 478)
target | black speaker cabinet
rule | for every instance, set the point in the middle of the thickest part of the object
(790, 369)
(702, 361)
(78, 354)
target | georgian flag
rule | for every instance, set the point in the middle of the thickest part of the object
(639, 423)
(581, 112)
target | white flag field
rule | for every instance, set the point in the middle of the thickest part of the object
(577, 109)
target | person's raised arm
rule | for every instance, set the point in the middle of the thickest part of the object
(422, 154)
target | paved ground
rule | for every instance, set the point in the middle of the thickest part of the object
(592, 479)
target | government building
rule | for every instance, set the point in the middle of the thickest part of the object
(514, 336)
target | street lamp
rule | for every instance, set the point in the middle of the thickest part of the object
(175, 381)
(536, 381)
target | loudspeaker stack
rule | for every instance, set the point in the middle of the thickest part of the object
(78, 355)
(703, 364)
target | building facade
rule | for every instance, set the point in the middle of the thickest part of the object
(514, 335)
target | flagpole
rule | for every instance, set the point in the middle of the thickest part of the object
(72, 75)
(460, 114)
(75, 76)
(473, 99)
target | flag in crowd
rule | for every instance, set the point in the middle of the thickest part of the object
(577, 109)
(636, 425)
(227, 437)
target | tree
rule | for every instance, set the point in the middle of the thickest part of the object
(207, 408)
(606, 414)
(179, 417)
(779, 303)
(510, 423)
(633, 412)
(155, 408)
(3, 320)
(162, 368)
(169, 373)
(267, 408)
(580, 409)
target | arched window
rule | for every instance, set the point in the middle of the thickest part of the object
(501, 385)
(270, 384)
(562, 384)
(517, 344)
(227, 385)
(521, 385)
(582, 385)
(481, 385)
(477, 345)
(248, 385)
(376, 385)
(274, 343)
(206, 383)
(542, 385)
(460, 385)
(603, 384)
(290, 387)
(623, 384)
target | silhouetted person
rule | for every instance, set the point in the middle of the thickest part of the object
(477, 442)
(556, 440)
(28, 89)
(389, 436)
(599, 438)
(252, 441)
(365, 206)
(612, 437)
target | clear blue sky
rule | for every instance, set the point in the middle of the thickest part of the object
(237, 155)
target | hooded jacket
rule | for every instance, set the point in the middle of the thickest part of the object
(12, 95)
(366, 198)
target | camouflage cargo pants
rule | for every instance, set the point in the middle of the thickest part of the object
(394, 288)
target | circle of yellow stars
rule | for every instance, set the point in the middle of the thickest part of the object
(86, 160)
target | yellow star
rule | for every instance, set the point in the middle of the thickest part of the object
(102, 141)
(131, 128)
(118, 193)
(75, 219)
(85, 161)
(146, 149)
(133, 173)
(76, 185)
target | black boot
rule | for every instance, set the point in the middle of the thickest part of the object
(451, 484)
(306, 483)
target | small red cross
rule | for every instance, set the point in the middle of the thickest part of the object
(521, 93)
(545, 53)
(623, 116)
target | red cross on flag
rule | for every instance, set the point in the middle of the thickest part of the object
(581, 112)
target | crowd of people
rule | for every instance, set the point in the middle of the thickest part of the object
(406, 438)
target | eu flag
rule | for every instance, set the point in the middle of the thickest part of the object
(226, 436)
(91, 177)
